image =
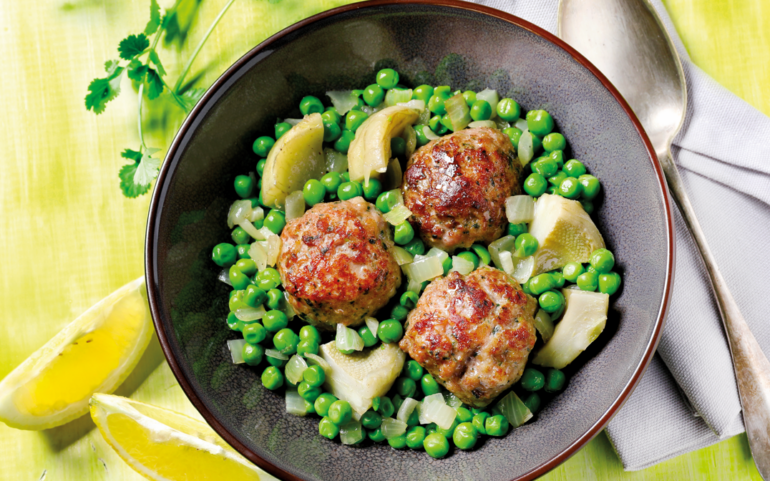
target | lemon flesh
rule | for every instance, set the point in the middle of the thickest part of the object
(95, 352)
(294, 159)
(163, 445)
(360, 377)
(583, 321)
(564, 231)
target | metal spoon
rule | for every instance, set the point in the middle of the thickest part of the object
(627, 42)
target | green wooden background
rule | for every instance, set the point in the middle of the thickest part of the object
(69, 237)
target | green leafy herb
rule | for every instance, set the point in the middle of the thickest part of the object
(132, 46)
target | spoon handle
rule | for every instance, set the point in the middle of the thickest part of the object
(752, 369)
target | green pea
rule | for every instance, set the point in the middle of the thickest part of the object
(405, 386)
(233, 322)
(340, 412)
(237, 300)
(366, 334)
(482, 253)
(307, 391)
(274, 298)
(533, 401)
(481, 110)
(238, 279)
(252, 353)
(591, 186)
(551, 301)
(314, 376)
(285, 341)
(496, 425)
(541, 283)
(307, 346)
(429, 385)
(244, 186)
(398, 442)
(517, 229)
(310, 105)
(558, 157)
(409, 299)
(447, 433)
(447, 265)
(332, 132)
(436, 104)
(387, 78)
(331, 182)
(508, 110)
(262, 146)
(525, 245)
(443, 90)
(465, 436)
(274, 361)
(240, 236)
(373, 95)
(470, 257)
(554, 141)
(539, 122)
(572, 270)
(601, 259)
(349, 190)
(313, 192)
(554, 380)
(399, 313)
(537, 144)
(421, 138)
(588, 281)
(609, 283)
(546, 166)
(470, 97)
(570, 188)
(479, 421)
(574, 168)
(275, 320)
(323, 402)
(535, 185)
(436, 445)
(588, 206)
(254, 333)
(371, 420)
(372, 190)
(327, 428)
(224, 254)
(590, 268)
(281, 128)
(403, 233)
(422, 92)
(514, 134)
(343, 143)
(260, 170)
(463, 414)
(309, 333)
(272, 378)
(354, 119)
(390, 331)
(243, 251)
(330, 116)
(376, 435)
(270, 274)
(386, 408)
(437, 125)
(415, 436)
(385, 202)
(397, 402)
(525, 288)
(275, 221)
(247, 266)
(413, 370)
(415, 247)
(532, 380)
(558, 178)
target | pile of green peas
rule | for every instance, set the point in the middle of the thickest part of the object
(276, 330)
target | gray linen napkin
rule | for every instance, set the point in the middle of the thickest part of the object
(690, 400)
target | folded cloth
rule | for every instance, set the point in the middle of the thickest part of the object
(690, 399)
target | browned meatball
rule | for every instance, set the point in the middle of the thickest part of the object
(336, 263)
(472, 333)
(456, 187)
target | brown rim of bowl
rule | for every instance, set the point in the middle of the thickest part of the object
(456, 4)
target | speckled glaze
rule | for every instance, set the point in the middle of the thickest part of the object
(343, 48)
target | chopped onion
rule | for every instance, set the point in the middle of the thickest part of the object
(335, 161)
(411, 140)
(439, 413)
(501, 124)
(273, 249)
(393, 176)
(436, 252)
(514, 410)
(292, 122)
(276, 354)
(521, 124)
(458, 111)
(250, 314)
(523, 269)
(373, 324)
(295, 205)
(398, 96)
(286, 308)
(543, 324)
(416, 104)
(239, 210)
(452, 400)
(351, 432)
(428, 133)
(257, 213)
(526, 149)
(503, 244)
(506, 262)
(414, 286)
(519, 209)
(424, 117)
(490, 96)
(348, 339)
(400, 254)
(294, 368)
(224, 276)
(258, 255)
(315, 359)
(343, 100)
(392, 428)
(249, 228)
(295, 404)
(424, 269)
(407, 406)
(461, 265)
(428, 406)
(236, 350)
(265, 233)
(482, 123)
(397, 214)
(369, 110)
(397, 197)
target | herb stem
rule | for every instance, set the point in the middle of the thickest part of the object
(200, 46)
(175, 95)
(139, 117)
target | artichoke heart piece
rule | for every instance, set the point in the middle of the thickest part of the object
(370, 152)
(360, 377)
(564, 231)
(583, 321)
(294, 159)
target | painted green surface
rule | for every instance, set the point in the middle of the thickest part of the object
(69, 237)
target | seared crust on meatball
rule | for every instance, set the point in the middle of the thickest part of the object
(472, 333)
(336, 263)
(456, 187)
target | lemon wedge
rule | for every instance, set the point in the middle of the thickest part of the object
(94, 353)
(164, 445)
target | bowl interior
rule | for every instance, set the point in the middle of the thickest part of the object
(427, 44)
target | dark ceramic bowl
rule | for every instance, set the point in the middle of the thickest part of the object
(341, 49)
